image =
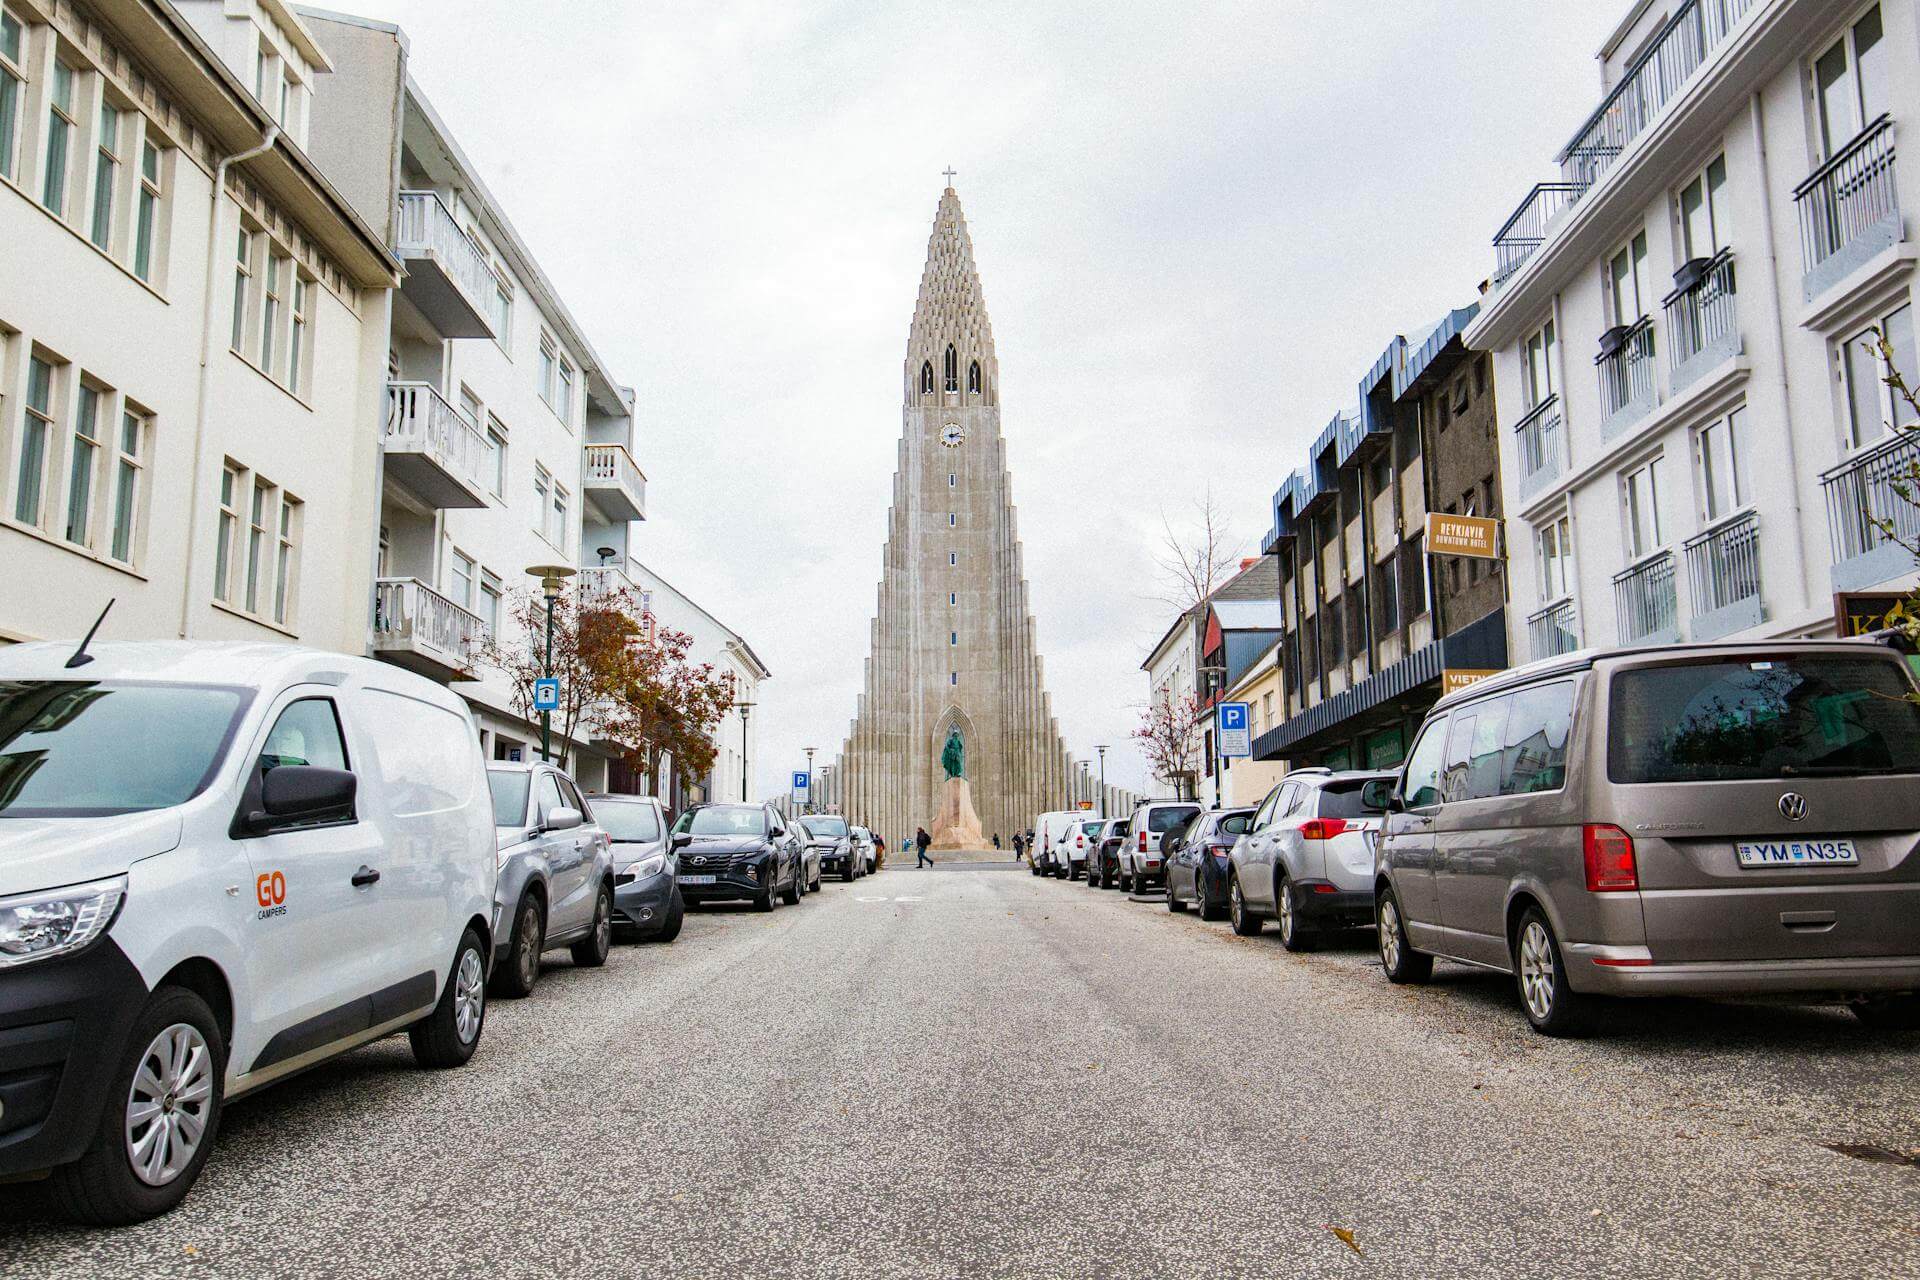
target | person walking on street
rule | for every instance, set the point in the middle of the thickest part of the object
(996, 839)
(879, 851)
(920, 842)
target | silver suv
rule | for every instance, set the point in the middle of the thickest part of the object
(556, 875)
(1686, 820)
(1140, 853)
(1307, 857)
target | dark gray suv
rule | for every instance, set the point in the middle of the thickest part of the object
(1686, 820)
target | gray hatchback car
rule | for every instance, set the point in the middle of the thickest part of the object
(556, 875)
(646, 889)
(1684, 820)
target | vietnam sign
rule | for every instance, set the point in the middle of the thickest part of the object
(1236, 737)
(1454, 679)
(1475, 536)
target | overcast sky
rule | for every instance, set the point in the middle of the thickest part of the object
(1197, 224)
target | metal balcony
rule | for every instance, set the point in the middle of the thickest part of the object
(1849, 209)
(1723, 574)
(1527, 229)
(1868, 517)
(1542, 445)
(432, 450)
(1703, 327)
(614, 482)
(1553, 630)
(416, 627)
(1628, 386)
(1646, 602)
(447, 278)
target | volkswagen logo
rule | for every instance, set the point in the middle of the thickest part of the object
(1793, 806)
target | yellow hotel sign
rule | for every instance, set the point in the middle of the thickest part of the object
(1454, 679)
(1463, 536)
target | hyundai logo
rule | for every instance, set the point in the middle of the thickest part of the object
(701, 862)
(1793, 806)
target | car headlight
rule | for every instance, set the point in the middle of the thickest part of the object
(651, 865)
(35, 926)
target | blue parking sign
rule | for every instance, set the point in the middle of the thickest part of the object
(546, 694)
(801, 782)
(1236, 740)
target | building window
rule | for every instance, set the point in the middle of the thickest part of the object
(1386, 598)
(1539, 373)
(460, 571)
(502, 307)
(542, 487)
(953, 677)
(952, 369)
(1872, 406)
(490, 592)
(953, 597)
(36, 433)
(145, 227)
(1720, 458)
(129, 471)
(953, 479)
(106, 176)
(60, 130)
(242, 285)
(559, 535)
(953, 638)
(953, 520)
(1850, 83)
(926, 377)
(270, 309)
(565, 407)
(497, 455)
(973, 376)
(1640, 498)
(83, 462)
(1703, 225)
(258, 512)
(232, 478)
(1413, 576)
(286, 558)
(953, 557)
(297, 340)
(549, 369)
(470, 407)
(12, 92)
(1625, 272)
(1554, 544)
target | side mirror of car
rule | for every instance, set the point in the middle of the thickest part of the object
(681, 841)
(562, 819)
(300, 795)
(1377, 795)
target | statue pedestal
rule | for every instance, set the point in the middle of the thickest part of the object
(958, 826)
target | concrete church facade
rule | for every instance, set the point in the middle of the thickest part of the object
(952, 641)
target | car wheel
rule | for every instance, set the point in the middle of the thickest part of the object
(765, 899)
(800, 886)
(516, 977)
(591, 951)
(448, 1036)
(1245, 923)
(1106, 874)
(1397, 956)
(1294, 934)
(162, 1113)
(792, 893)
(847, 876)
(1174, 904)
(1205, 905)
(819, 879)
(1889, 1013)
(675, 917)
(1553, 1007)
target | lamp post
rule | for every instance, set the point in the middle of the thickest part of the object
(1102, 749)
(553, 578)
(1085, 782)
(1217, 687)
(810, 751)
(743, 708)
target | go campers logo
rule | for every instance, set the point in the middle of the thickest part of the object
(270, 891)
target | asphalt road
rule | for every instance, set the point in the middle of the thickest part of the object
(972, 1072)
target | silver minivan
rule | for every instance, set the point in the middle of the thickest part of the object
(1684, 820)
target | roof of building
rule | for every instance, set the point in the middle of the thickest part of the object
(1249, 615)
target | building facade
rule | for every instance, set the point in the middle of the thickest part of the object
(1372, 621)
(189, 316)
(1697, 441)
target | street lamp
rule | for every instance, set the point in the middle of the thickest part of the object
(1102, 749)
(810, 751)
(743, 708)
(552, 577)
(1085, 779)
(1217, 688)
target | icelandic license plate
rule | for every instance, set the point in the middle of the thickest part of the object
(698, 879)
(1797, 853)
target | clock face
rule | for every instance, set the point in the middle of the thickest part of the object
(952, 436)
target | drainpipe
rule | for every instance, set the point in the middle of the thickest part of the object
(1780, 339)
(267, 140)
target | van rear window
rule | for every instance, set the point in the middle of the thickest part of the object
(1774, 717)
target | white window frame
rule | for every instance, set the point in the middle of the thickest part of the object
(63, 122)
(13, 87)
(246, 250)
(463, 573)
(1553, 548)
(109, 139)
(149, 224)
(497, 446)
(1711, 203)
(233, 482)
(40, 425)
(84, 449)
(1827, 138)
(543, 494)
(262, 500)
(299, 349)
(286, 565)
(1634, 253)
(1859, 361)
(1537, 372)
(131, 448)
(491, 591)
(1720, 466)
(1640, 547)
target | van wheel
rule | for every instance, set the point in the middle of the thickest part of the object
(516, 977)
(591, 951)
(448, 1036)
(1397, 956)
(1553, 1007)
(1245, 923)
(675, 917)
(163, 1109)
(1889, 1013)
(1294, 934)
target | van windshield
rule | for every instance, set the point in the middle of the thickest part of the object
(91, 749)
(1773, 717)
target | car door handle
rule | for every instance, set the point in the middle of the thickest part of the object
(364, 876)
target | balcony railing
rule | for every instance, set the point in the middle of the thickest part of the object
(1868, 517)
(1653, 80)
(1701, 319)
(1553, 630)
(1627, 383)
(428, 234)
(433, 449)
(1723, 574)
(1542, 447)
(1527, 229)
(615, 481)
(1848, 207)
(417, 627)
(1646, 602)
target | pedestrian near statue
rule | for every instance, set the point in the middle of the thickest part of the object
(996, 839)
(879, 851)
(920, 842)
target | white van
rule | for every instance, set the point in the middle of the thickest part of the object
(220, 864)
(1053, 851)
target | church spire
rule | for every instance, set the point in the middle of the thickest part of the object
(950, 346)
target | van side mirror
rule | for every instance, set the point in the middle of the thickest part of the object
(1377, 795)
(682, 840)
(302, 795)
(562, 819)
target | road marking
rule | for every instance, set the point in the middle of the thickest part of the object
(882, 899)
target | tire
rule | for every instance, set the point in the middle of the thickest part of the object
(448, 1036)
(1107, 874)
(792, 894)
(591, 951)
(675, 917)
(800, 886)
(819, 882)
(1540, 976)
(1889, 1013)
(1400, 961)
(1245, 922)
(516, 978)
(847, 876)
(764, 900)
(1204, 906)
(102, 1187)
(1295, 935)
(1174, 905)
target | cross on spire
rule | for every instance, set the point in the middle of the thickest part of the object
(949, 171)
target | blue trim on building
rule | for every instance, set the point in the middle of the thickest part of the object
(1446, 331)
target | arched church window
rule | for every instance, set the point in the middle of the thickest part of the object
(952, 369)
(926, 377)
(973, 377)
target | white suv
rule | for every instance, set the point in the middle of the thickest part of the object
(219, 865)
(1141, 862)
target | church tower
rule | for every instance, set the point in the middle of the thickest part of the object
(952, 642)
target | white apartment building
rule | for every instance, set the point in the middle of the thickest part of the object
(190, 317)
(1694, 443)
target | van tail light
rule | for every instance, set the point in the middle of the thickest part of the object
(1143, 842)
(1609, 857)
(1322, 828)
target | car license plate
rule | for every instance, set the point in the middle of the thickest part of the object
(698, 879)
(1797, 853)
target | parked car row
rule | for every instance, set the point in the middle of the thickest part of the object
(221, 864)
(1703, 819)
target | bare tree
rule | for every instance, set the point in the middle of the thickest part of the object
(1196, 564)
(1168, 734)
